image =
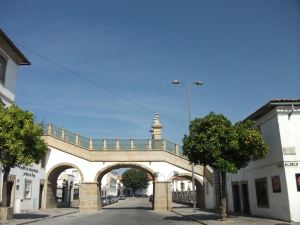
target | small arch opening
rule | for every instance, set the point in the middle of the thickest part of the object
(182, 190)
(133, 183)
(63, 186)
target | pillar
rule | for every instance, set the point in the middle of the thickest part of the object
(50, 199)
(176, 149)
(89, 197)
(90, 144)
(62, 134)
(156, 128)
(162, 196)
(77, 139)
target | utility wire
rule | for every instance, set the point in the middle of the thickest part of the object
(96, 84)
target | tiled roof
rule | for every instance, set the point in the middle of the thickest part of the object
(24, 60)
(271, 105)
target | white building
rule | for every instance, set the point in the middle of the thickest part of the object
(10, 59)
(109, 184)
(270, 186)
(68, 186)
(25, 182)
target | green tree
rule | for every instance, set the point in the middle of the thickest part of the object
(214, 141)
(135, 179)
(20, 142)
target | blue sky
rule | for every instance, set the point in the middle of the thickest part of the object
(245, 52)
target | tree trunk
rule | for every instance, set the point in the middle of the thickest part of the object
(223, 206)
(5, 190)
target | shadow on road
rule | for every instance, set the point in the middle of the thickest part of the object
(137, 208)
(177, 218)
(29, 216)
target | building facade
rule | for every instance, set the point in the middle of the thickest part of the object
(68, 186)
(109, 184)
(270, 186)
(25, 182)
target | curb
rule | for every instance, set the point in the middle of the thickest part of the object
(15, 221)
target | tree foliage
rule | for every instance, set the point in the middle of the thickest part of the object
(20, 140)
(135, 179)
(213, 140)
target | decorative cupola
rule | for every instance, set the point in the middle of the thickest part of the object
(156, 128)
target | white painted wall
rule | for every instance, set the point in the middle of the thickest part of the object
(7, 94)
(109, 183)
(150, 188)
(163, 170)
(176, 185)
(290, 138)
(90, 169)
(278, 132)
(34, 173)
(8, 89)
(209, 195)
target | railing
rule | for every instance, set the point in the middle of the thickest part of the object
(183, 197)
(112, 144)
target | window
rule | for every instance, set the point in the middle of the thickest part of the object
(27, 190)
(276, 184)
(298, 181)
(182, 186)
(3, 63)
(76, 193)
(261, 186)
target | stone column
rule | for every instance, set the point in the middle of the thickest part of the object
(90, 144)
(49, 129)
(50, 192)
(156, 142)
(176, 149)
(62, 134)
(156, 128)
(89, 197)
(77, 139)
(162, 196)
(132, 144)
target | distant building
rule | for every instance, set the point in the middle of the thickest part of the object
(109, 184)
(270, 186)
(25, 182)
(68, 186)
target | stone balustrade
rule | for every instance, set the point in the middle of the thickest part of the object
(112, 144)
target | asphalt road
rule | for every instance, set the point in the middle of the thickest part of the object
(132, 211)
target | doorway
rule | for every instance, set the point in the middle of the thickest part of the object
(41, 195)
(236, 198)
(245, 197)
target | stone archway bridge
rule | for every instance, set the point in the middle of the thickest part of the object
(93, 158)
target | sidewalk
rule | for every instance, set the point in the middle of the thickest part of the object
(31, 217)
(212, 218)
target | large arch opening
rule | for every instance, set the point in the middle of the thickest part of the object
(182, 190)
(112, 186)
(62, 186)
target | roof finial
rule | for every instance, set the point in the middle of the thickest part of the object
(156, 127)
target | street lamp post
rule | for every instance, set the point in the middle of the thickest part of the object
(188, 98)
